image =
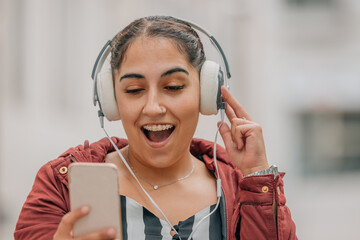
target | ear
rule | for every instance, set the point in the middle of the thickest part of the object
(209, 88)
(106, 94)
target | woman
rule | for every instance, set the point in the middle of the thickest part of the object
(155, 65)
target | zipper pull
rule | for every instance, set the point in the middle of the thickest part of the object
(72, 158)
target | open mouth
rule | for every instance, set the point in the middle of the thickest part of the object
(158, 132)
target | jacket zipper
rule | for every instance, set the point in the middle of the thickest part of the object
(72, 158)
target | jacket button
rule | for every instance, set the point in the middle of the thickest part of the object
(63, 170)
(265, 189)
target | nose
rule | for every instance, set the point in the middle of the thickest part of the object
(153, 106)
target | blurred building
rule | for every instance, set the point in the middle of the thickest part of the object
(294, 65)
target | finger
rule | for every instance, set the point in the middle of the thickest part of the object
(250, 130)
(226, 135)
(104, 234)
(230, 112)
(242, 129)
(67, 222)
(238, 131)
(241, 121)
(237, 136)
(235, 105)
(232, 116)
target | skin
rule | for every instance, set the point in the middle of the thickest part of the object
(145, 91)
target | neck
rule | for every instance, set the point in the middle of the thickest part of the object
(160, 170)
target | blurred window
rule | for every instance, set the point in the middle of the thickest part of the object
(310, 2)
(330, 142)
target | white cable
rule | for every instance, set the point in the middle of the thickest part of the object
(222, 116)
(218, 180)
(203, 219)
(137, 180)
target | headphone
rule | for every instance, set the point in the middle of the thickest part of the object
(211, 80)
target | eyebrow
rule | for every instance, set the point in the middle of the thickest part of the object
(132, 75)
(174, 70)
(169, 72)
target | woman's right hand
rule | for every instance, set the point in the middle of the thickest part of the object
(65, 228)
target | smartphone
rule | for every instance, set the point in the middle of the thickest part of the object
(95, 185)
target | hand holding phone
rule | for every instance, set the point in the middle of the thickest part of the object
(65, 228)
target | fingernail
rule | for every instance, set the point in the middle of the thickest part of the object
(85, 209)
(111, 232)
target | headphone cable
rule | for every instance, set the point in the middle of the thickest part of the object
(218, 180)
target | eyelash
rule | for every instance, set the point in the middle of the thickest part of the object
(174, 88)
(170, 88)
(134, 91)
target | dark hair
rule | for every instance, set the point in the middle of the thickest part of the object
(180, 32)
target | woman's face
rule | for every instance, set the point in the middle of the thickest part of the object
(158, 94)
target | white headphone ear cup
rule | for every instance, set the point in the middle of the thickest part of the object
(106, 95)
(209, 88)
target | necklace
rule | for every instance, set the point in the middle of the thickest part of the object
(155, 186)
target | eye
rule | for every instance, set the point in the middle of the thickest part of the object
(133, 91)
(174, 88)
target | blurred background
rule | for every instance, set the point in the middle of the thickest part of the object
(295, 68)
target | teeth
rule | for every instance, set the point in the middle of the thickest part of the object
(159, 127)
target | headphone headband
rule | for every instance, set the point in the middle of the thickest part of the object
(106, 50)
(214, 43)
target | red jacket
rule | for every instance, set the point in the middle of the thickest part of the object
(248, 201)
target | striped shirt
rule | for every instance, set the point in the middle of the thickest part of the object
(139, 223)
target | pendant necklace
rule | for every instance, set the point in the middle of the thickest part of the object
(155, 186)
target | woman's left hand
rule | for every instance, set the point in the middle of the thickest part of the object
(244, 141)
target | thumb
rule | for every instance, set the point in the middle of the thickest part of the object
(67, 222)
(225, 133)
